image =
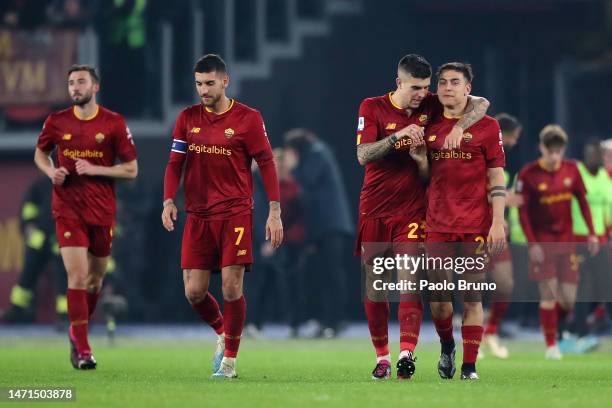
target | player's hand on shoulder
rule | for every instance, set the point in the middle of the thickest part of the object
(453, 139)
(58, 176)
(169, 215)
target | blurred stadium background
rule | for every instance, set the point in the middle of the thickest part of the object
(302, 63)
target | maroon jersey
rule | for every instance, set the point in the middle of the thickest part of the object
(457, 195)
(101, 140)
(218, 150)
(546, 215)
(392, 185)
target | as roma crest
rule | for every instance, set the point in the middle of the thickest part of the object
(99, 137)
(229, 132)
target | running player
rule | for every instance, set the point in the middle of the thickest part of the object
(88, 140)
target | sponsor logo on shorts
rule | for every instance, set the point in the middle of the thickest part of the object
(242, 252)
(210, 149)
(99, 137)
(83, 154)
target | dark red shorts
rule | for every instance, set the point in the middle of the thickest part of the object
(402, 234)
(504, 256)
(559, 262)
(214, 244)
(443, 245)
(98, 239)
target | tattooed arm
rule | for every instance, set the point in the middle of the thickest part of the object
(475, 110)
(369, 152)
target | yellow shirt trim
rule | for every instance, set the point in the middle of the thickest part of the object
(393, 103)
(221, 113)
(74, 110)
(447, 116)
(541, 164)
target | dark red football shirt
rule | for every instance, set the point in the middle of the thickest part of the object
(457, 194)
(392, 185)
(217, 151)
(101, 140)
(546, 215)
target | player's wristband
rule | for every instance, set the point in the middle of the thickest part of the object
(168, 202)
(392, 139)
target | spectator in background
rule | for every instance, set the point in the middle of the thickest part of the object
(23, 14)
(123, 40)
(279, 272)
(68, 14)
(327, 218)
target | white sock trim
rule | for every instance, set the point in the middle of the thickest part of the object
(385, 357)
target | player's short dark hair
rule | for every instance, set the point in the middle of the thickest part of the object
(93, 72)
(553, 136)
(415, 65)
(507, 122)
(463, 67)
(210, 63)
(299, 139)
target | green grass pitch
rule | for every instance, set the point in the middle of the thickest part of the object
(155, 373)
